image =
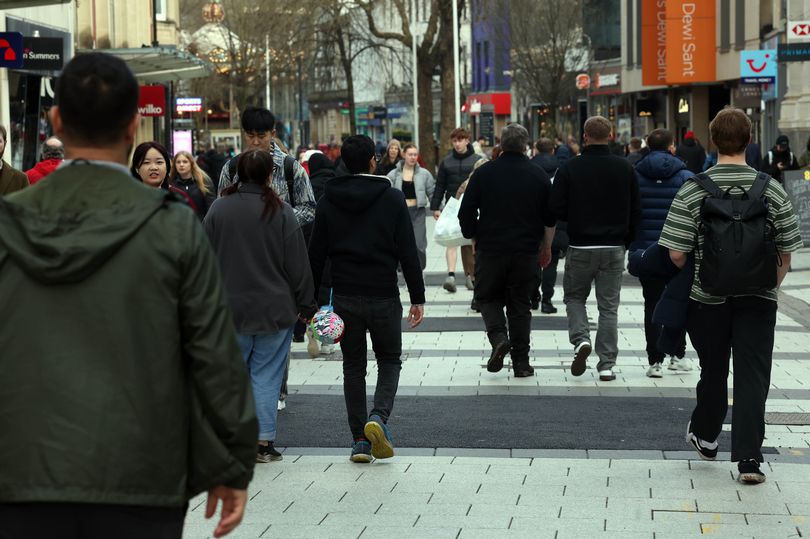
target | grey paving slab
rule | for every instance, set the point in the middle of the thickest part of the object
(456, 509)
(551, 453)
(629, 454)
(438, 533)
(473, 452)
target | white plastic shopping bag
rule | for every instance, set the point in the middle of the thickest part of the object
(448, 231)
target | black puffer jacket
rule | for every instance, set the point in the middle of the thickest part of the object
(692, 153)
(453, 171)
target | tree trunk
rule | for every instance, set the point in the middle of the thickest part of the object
(424, 86)
(447, 78)
(346, 62)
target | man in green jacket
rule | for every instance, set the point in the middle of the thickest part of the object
(123, 391)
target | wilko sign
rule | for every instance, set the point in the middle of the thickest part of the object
(189, 104)
(798, 31)
(152, 101)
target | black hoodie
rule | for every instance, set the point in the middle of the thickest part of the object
(363, 227)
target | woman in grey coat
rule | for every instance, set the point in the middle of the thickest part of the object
(417, 184)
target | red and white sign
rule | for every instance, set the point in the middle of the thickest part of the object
(583, 81)
(152, 101)
(798, 31)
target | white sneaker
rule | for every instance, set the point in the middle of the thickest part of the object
(469, 283)
(607, 375)
(327, 349)
(655, 371)
(281, 405)
(450, 284)
(676, 364)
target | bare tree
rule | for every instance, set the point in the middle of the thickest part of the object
(343, 37)
(427, 59)
(547, 49)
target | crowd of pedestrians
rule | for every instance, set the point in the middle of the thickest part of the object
(186, 329)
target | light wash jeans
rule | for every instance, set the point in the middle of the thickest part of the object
(266, 357)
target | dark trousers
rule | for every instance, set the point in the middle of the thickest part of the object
(505, 281)
(382, 318)
(545, 279)
(89, 521)
(652, 290)
(742, 327)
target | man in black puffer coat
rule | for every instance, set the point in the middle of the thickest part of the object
(453, 171)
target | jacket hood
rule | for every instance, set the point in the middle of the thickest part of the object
(470, 151)
(355, 193)
(64, 228)
(547, 162)
(318, 162)
(659, 165)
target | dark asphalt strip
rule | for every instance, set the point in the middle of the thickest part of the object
(501, 422)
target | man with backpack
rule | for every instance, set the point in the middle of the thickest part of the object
(741, 227)
(290, 180)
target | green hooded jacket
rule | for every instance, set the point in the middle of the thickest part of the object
(121, 380)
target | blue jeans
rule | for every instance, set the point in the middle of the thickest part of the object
(266, 357)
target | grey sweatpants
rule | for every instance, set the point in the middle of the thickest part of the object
(604, 267)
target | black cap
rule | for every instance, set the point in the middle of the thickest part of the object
(782, 140)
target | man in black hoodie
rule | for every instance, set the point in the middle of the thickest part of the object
(363, 227)
(692, 153)
(453, 171)
(597, 194)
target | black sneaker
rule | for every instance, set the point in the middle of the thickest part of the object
(267, 453)
(499, 352)
(377, 432)
(700, 445)
(361, 451)
(535, 303)
(298, 338)
(523, 370)
(750, 474)
(546, 307)
(474, 306)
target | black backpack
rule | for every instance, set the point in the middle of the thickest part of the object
(289, 175)
(739, 248)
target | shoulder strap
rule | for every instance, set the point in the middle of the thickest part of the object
(289, 175)
(760, 185)
(770, 157)
(707, 184)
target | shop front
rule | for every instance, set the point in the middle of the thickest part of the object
(31, 88)
(489, 113)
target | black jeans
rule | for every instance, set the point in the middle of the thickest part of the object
(89, 521)
(382, 318)
(545, 279)
(744, 327)
(505, 280)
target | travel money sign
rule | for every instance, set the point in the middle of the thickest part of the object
(758, 67)
(679, 40)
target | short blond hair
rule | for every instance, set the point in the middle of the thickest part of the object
(598, 128)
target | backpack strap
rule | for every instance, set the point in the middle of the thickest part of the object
(289, 176)
(760, 185)
(704, 181)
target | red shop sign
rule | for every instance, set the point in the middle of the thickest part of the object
(152, 101)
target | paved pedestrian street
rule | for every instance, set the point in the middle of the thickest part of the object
(550, 456)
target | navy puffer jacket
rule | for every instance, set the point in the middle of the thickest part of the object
(660, 174)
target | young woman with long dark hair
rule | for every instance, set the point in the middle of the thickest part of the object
(151, 164)
(263, 259)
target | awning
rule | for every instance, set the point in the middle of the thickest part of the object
(13, 4)
(160, 64)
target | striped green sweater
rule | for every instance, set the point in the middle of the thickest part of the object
(681, 227)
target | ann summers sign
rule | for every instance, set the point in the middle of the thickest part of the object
(43, 53)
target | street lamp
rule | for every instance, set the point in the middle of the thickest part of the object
(415, 76)
(456, 71)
